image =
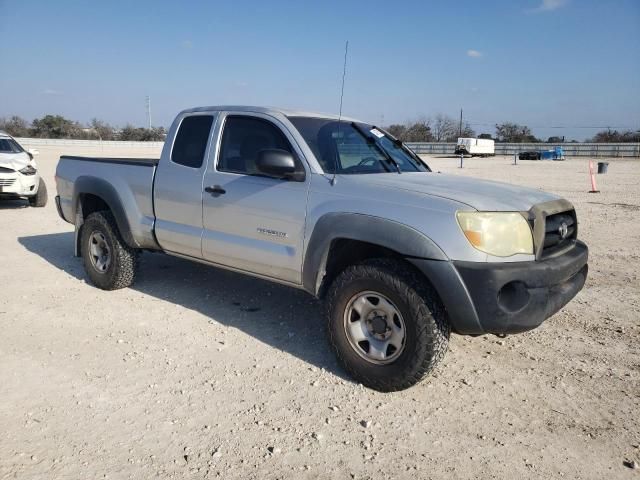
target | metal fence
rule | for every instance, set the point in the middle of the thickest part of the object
(570, 149)
(52, 142)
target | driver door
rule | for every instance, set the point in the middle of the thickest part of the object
(251, 222)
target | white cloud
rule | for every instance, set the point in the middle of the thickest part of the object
(187, 44)
(549, 5)
(51, 91)
(474, 53)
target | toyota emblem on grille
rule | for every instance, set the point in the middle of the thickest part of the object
(563, 230)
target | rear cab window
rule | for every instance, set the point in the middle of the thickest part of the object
(191, 141)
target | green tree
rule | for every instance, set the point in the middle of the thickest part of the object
(397, 130)
(137, 134)
(129, 133)
(55, 126)
(509, 132)
(418, 131)
(102, 130)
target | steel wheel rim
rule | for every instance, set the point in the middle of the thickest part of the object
(374, 327)
(99, 252)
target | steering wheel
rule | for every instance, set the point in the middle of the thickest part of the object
(366, 160)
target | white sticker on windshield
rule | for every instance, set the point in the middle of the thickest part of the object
(377, 132)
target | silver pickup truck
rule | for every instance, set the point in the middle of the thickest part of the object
(339, 208)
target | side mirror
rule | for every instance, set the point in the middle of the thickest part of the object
(278, 164)
(33, 151)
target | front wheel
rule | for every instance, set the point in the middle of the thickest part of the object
(40, 198)
(386, 324)
(110, 263)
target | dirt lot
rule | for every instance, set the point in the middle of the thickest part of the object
(205, 373)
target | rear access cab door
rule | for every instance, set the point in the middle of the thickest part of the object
(178, 190)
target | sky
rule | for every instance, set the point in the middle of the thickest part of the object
(542, 63)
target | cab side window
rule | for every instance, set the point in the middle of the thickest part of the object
(243, 139)
(191, 141)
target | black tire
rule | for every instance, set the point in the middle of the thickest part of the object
(121, 269)
(427, 328)
(40, 198)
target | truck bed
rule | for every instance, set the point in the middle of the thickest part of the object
(129, 180)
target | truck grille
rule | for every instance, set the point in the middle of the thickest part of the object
(6, 170)
(560, 230)
(6, 182)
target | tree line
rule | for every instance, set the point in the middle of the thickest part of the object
(614, 136)
(440, 128)
(57, 126)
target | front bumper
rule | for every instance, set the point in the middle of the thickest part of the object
(505, 298)
(18, 185)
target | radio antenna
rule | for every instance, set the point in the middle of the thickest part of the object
(344, 73)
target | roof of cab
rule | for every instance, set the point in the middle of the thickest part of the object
(267, 110)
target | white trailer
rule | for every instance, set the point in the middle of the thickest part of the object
(476, 146)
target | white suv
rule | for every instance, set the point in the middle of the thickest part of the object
(18, 173)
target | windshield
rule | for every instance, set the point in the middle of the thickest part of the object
(351, 148)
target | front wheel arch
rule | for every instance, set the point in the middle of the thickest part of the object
(381, 236)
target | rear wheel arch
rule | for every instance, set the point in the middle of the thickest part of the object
(93, 194)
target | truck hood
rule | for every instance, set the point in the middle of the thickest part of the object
(15, 161)
(480, 194)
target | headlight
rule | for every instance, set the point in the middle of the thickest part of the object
(497, 233)
(28, 170)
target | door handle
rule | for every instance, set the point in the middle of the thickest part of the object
(216, 190)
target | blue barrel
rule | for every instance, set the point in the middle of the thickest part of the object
(559, 153)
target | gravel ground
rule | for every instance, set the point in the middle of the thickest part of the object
(197, 372)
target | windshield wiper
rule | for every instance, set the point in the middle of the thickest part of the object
(371, 140)
(400, 144)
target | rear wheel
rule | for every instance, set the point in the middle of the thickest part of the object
(40, 198)
(386, 324)
(109, 262)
